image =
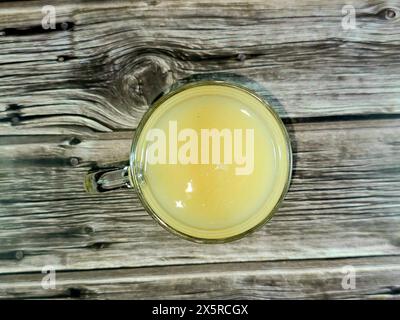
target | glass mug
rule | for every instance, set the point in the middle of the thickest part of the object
(211, 161)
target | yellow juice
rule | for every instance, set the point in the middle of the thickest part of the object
(221, 198)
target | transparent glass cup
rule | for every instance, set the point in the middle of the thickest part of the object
(133, 174)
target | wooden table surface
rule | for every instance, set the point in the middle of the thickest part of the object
(71, 97)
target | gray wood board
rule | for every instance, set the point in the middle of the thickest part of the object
(70, 99)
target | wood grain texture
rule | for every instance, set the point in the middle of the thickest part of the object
(103, 71)
(313, 279)
(70, 99)
(343, 202)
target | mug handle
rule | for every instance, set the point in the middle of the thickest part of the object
(107, 179)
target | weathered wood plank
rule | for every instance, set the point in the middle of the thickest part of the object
(375, 278)
(104, 70)
(343, 202)
(70, 99)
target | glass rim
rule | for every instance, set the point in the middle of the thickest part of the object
(136, 184)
